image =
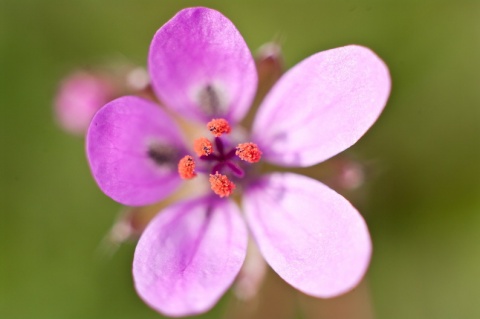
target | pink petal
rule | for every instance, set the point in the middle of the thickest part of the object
(322, 106)
(310, 235)
(189, 255)
(201, 67)
(133, 148)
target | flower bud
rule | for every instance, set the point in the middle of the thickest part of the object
(79, 97)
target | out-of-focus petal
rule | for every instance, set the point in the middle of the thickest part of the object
(133, 148)
(310, 235)
(189, 255)
(201, 67)
(251, 276)
(322, 106)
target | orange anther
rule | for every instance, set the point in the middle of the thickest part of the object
(219, 127)
(186, 167)
(248, 152)
(221, 185)
(202, 146)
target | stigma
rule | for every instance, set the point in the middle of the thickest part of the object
(223, 163)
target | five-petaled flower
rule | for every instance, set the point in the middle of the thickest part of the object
(190, 253)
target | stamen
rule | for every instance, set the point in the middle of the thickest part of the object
(248, 152)
(186, 167)
(219, 127)
(221, 185)
(202, 146)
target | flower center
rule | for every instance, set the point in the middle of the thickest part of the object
(219, 159)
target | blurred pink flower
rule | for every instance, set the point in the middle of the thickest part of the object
(190, 254)
(79, 96)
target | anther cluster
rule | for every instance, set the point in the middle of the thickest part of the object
(222, 163)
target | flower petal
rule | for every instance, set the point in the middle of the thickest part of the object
(310, 235)
(189, 255)
(322, 106)
(133, 148)
(201, 67)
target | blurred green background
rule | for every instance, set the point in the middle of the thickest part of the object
(423, 203)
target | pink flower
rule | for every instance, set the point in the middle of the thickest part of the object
(79, 96)
(82, 93)
(201, 69)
